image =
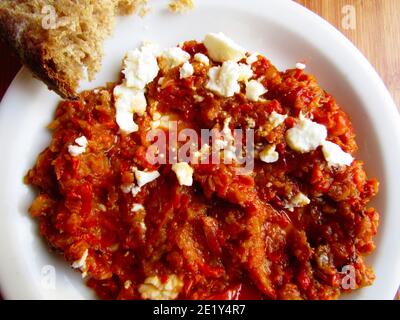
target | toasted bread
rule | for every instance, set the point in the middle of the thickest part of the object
(58, 40)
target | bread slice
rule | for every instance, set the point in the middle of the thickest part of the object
(61, 40)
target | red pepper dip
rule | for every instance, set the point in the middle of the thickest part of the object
(297, 226)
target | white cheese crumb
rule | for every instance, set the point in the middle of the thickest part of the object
(137, 207)
(81, 263)
(198, 98)
(276, 119)
(161, 81)
(155, 124)
(335, 156)
(128, 101)
(224, 80)
(144, 177)
(79, 148)
(221, 48)
(252, 58)
(127, 284)
(156, 115)
(300, 66)
(125, 122)
(202, 58)
(140, 68)
(135, 190)
(227, 143)
(306, 135)
(254, 90)
(154, 289)
(269, 155)
(251, 123)
(299, 200)
(81, 141)
(186, 70)
(161, 121)
(173, 57)
(227, 133)
(245, 72)
(184, 173)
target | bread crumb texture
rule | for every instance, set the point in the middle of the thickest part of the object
(61, 41)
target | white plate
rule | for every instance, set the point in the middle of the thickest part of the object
(282, 30)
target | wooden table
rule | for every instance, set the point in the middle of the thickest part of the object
(376, 33)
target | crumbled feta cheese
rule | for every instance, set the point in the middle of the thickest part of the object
(154, 289)
(184, 173)
(156, 116)
(224, 80)
(306, 135)
(254, 90)
(299, 200)
(186, 70)
(128, 101)
(161, 81)
(227, 131)
(161, 121)
(227, 137)
(276, 119)
(81, 263)
(251, 123)
(81, 141)
(300, 66)
(79, 148)
(173, 57)
(125, 122)
(144, 177)
(137, 207)
(135, 190)
(155, 124)
(202, 58)
(245, 72)
(140, 68)
(143, 226)
(335, 156)
(252, 58)
(228, 141)
(221, 48)
(198, 98)
(269, 155)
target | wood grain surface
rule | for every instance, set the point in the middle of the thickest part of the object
(376, 33)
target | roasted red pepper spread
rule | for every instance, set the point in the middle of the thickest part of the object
(227, 236)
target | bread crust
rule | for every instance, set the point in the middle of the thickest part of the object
(16, 30)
